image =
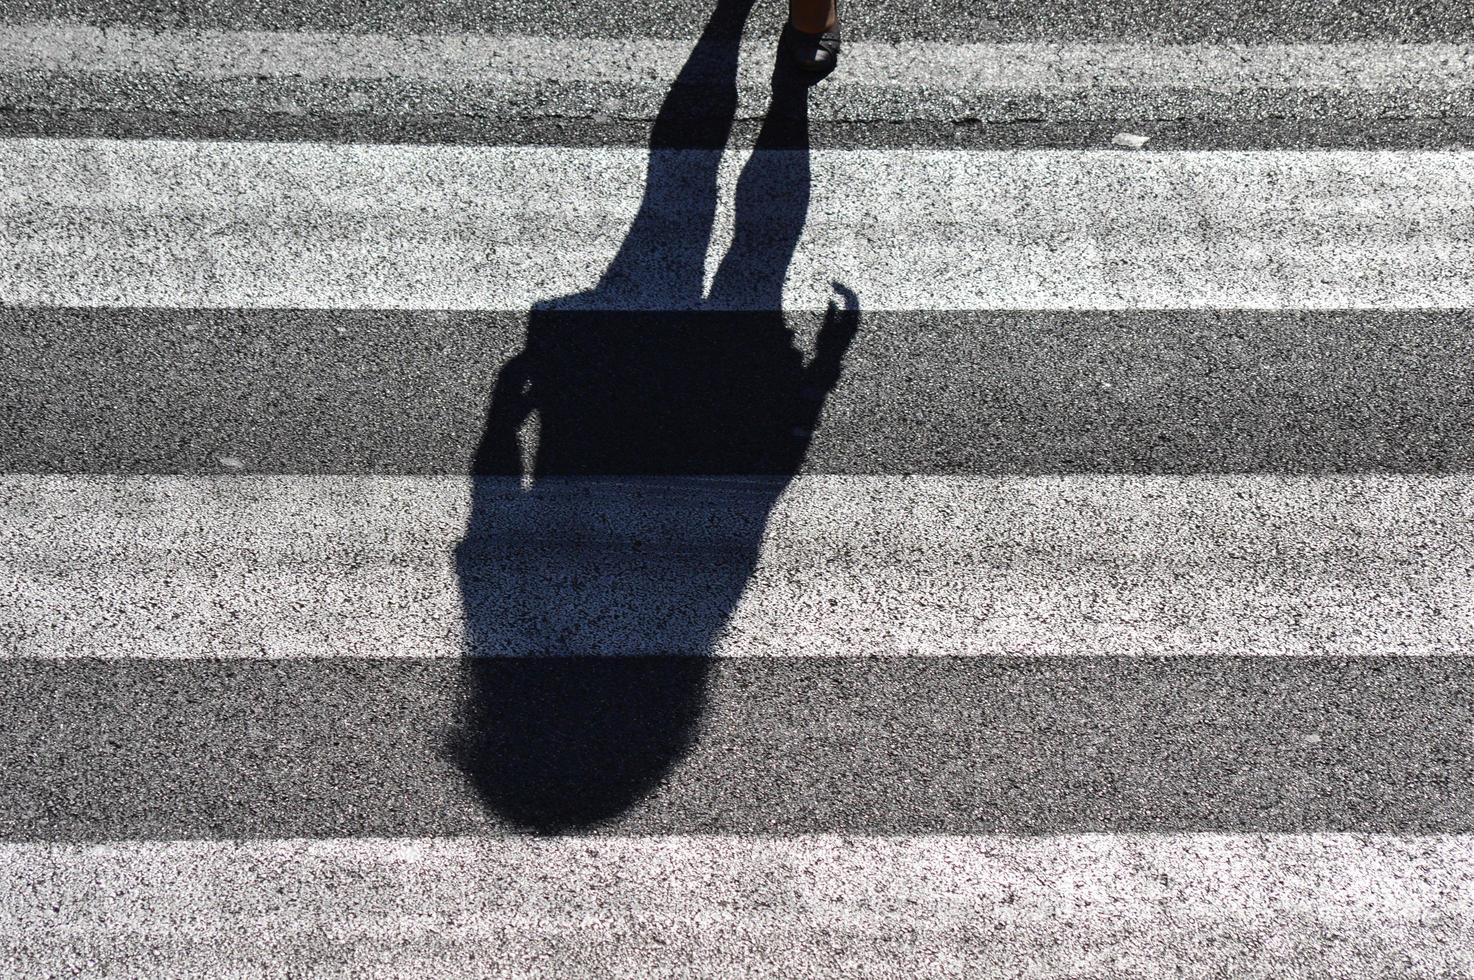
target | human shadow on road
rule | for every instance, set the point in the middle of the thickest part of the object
(632, 452)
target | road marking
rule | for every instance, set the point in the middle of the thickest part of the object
(1000, 905)
(295, 566)
(161, 223)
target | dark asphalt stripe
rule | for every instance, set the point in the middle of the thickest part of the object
(954, 20)
(172, 391)
(966, 133)
(208, 749)
(1224, 109)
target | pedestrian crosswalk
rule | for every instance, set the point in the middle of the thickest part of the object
(492, 491)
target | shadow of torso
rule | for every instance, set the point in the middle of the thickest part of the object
(595, 595)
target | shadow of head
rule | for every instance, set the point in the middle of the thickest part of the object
(632, 453)
(558, 744)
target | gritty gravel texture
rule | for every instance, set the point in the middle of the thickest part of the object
(1444, 133)
(1282, 906)
(953, 20)
(242, 567)
(315, 79)
(1202, 101)
(133, 749)
(172, 391)
(312, 225)
(1059, 486)
(992, 90)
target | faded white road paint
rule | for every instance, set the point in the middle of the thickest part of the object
(844, 566)
(159, 223)
(1278, 905)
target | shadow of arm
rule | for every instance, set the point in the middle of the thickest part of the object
(823, 370)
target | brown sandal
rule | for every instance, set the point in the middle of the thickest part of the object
(813, 52)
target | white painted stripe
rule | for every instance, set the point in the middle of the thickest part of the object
(303, 566)
(182, 224)
(1119, 905)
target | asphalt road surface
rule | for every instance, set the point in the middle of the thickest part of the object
(496, 488)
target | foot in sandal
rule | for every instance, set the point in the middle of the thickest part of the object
(812, 34)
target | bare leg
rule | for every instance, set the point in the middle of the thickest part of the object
(812, 16)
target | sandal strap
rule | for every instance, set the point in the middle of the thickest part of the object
(829, 40)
